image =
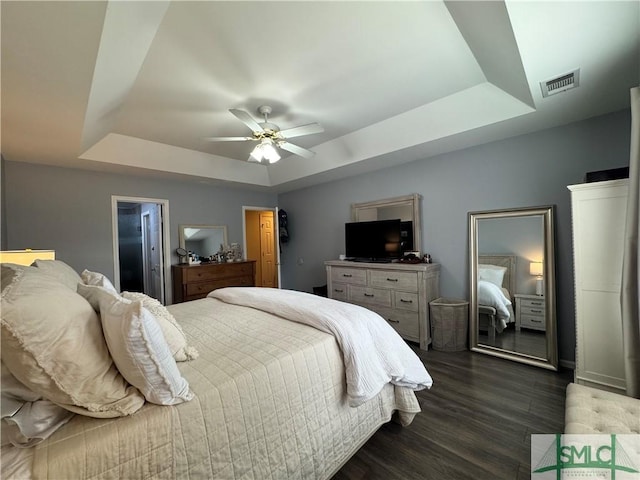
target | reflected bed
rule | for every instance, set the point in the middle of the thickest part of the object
(495, 293)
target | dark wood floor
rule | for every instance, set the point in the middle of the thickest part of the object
(476, 422)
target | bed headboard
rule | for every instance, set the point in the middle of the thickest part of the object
(508, 261)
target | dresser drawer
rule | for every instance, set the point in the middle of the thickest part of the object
(225, 270)
(406, 301)
(370, 296)
(532, 321)
(528, 310)
(353, 276)
(403, 322)
(339, 291)
(537, 303)
(206, 287)
(396, 280)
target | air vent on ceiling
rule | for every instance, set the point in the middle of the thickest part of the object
(561, 84)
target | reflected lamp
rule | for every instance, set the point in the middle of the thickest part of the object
(536, 269)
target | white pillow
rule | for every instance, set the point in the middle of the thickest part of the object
(27, 418)
(138, 347)
(52, 342)
(491, 273)
(171, 329)
(98, 279)
(60, 270)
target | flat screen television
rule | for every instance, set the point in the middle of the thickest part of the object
(376, 241)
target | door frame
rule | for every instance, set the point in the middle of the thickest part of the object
(166, 238)
(245, 209)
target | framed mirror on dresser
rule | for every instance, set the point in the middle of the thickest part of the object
(195, 281)
(512, 284)
(406, 208)
(202, 240)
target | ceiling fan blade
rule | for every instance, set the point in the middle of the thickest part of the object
(245, 118)
(302, 130)
(290, 147)
(228, 139)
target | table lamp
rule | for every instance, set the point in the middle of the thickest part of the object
(27, 256)
(535, 268)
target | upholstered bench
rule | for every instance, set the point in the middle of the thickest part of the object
(589, 410)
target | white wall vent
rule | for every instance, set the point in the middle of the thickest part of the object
(561, 84)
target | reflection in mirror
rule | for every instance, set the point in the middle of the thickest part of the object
(513, 285)
(203, 240)
(406, 208)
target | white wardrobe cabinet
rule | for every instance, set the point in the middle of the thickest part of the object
(598, 215)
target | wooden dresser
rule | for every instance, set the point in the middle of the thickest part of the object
(398, 292)
(191, 282)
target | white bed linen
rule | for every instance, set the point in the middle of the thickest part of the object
(498, 298)
(374, 354)
(270, 403)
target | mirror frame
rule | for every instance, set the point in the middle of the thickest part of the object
(413, 201)
(547, 212)
(211, 227)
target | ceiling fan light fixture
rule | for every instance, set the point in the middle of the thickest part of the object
(265, 150)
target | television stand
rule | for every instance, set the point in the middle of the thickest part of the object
(400, 293)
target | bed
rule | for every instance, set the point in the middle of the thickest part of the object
(268, 399)
(496, 285)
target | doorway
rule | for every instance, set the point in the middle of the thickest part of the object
(261, 244)
(141, 246)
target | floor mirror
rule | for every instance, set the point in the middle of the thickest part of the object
(512, 284)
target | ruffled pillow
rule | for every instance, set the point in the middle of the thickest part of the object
(59, 270)
(52, 342)
(138, 347)
(98, 279)
(170, 327)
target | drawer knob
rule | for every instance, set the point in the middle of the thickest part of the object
(536, 321)
(348, 275)
(392, 320)
(370, 295)
(536, 311)
(338, 290)
(392, 279)
(406, 301)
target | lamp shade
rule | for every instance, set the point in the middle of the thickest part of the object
(26, 257)
(535, 268)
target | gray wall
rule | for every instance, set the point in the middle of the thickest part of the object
(69, 210)
(529, 170)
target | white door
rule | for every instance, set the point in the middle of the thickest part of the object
(153, 268)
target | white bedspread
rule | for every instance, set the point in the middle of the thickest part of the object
(492, 295)
(374, 354)
(270, 403)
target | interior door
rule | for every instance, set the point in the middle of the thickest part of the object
(267, 249)
(141, 224)
(152, 251)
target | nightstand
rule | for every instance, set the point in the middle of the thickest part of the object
(530, 312)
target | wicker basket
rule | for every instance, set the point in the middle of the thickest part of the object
(449, 324)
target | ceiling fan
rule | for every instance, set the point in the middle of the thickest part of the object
(270, 136)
